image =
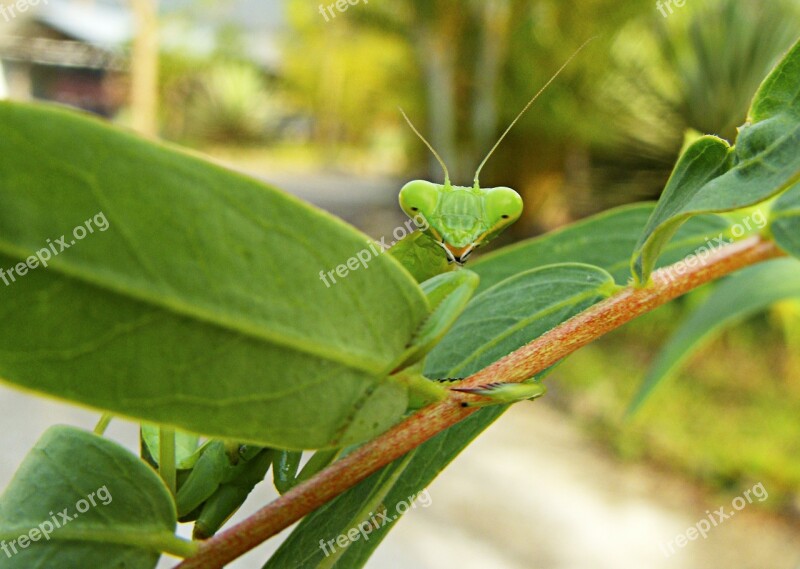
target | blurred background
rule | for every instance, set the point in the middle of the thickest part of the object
(305, 96)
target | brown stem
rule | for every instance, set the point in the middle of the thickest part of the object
(538, 355)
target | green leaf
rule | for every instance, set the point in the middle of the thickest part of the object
(711, 177)
(604, 240)
(104, 509)
(496, 322)
(785, 221)
(187, 446)
(514, 312)
(201, 304)
(705, 159)
(748, 292)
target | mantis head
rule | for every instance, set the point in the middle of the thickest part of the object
(463, 218)
(460, 219)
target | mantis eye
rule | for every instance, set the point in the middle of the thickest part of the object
(419, 197)
(503, 207)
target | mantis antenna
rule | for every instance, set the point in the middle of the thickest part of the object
(522, 112)
(428, 144)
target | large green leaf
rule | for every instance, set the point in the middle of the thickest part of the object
(513, 312)
(738, 297)
(84, 501)
(201, 305)
(496, 322)
(785, 221)
(712, 177)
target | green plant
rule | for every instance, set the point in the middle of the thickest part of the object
(216, 101)
(680, 74)
(196, 304)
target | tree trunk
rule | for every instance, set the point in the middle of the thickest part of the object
(437, 59)
(144, 68)
(493, 49)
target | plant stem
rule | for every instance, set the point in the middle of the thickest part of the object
(102, 424)
(166, 458)
(630, 302)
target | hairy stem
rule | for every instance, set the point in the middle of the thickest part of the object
(630, 302)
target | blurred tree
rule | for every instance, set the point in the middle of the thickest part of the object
(460, 49)
(220, 98)
(144, 68)
(469, 67)
(605, 133)
(349, 80)
(694, 70)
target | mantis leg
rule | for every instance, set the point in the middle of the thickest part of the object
(503, 393)
(203, 480)
(231, 494)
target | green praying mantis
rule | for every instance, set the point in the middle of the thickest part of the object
(215, 485)
(459, 219)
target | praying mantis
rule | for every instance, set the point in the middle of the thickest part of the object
(459, 219)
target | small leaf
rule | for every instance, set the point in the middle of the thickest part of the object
(736, 298)
(710, 177)
(785, 221)
(705, 159)
(87, 502)
(514, 312)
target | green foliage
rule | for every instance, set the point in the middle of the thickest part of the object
(712, 177)
(202, 304)
(118, 512)
(785, 221)
(726, 419)
(347, 79)
(218, 100)
(187, 446)
(604, 240)
(706, 159)
(216, 292)
(232, 103)
(513, 312)
(669, 75)
(737, 298)
(529, 304)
